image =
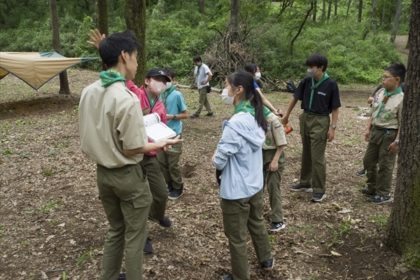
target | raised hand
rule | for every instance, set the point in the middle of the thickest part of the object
(95, 37)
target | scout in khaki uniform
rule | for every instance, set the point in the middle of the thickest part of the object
(383, 135)
(149, 96)
(169, 160)
(273, 160)
(319, 98)
(239, 158)
(112, 134)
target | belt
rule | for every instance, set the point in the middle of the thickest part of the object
(315, 114)
(384, 128)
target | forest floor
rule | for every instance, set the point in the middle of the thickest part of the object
(52, 225)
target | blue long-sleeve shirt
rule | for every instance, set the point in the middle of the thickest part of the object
(239, 156)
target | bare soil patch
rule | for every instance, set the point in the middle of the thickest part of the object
(52, 225)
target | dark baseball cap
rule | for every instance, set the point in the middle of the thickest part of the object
(158, 72)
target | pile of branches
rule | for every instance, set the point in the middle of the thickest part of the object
(230, 53)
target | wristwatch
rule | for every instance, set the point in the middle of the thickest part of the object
(397, 141)
(333, 126)
(174, 117)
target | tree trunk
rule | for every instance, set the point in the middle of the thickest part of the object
(348, 7)
(360, 11)
(102, 16)
(373, 16)
(335, 7)
(315, 5)
(404, 223)
(396, 21)
(201, 6)
(234, 18)
(55, 24)
(382, 18)
(323, 11)
(329, 10)
(135, 19)
(308, 13)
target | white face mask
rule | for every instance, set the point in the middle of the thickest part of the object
(168, 84)
(228, 100)
(311, 72)
(257, 75)
(157, 87)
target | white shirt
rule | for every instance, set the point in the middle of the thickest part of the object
(201, 76)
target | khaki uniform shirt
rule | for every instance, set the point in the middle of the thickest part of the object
(387, 115)
(275, 135)
(110, 121)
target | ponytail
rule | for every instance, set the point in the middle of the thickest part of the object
(246, 80)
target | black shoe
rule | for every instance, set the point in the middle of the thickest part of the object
(318, 197)
(361, 172)
(301, 188)
(381, 199)
(175, 194)
(194, 116)
(122, 276)
(170, 187)
(365, 191)
(227, 277)
(210, 114)
(277, 226)
(267, 264)
(148, 247)
(165, 222)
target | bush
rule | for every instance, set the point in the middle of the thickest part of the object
(177, 32)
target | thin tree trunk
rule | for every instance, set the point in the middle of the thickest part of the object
(335, 7)
(201, 5)
(315, 6)
(373, 16)
(323, 11)
(308, 13)
(404, 223)
(348, 7)
(360, 11)
(135, 19)
(329, 10)
(383, 20)
(102, 16)
(55, 24)
(396, 21)
(234, 19)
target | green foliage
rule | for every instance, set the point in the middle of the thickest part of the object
(176, 32)
(351, 59)
(341, 232)
(49, 207)
(86, 256)
(381, 220)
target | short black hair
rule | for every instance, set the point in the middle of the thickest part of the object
(317, 60)
(397, 70)
(197, 59)
(111, 47)
(251, 68)
(170, 72)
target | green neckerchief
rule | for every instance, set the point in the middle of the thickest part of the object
(387, 95)
(314, 86)
(152, 100)
(110, 76)
(167, 92)
(246, 107)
